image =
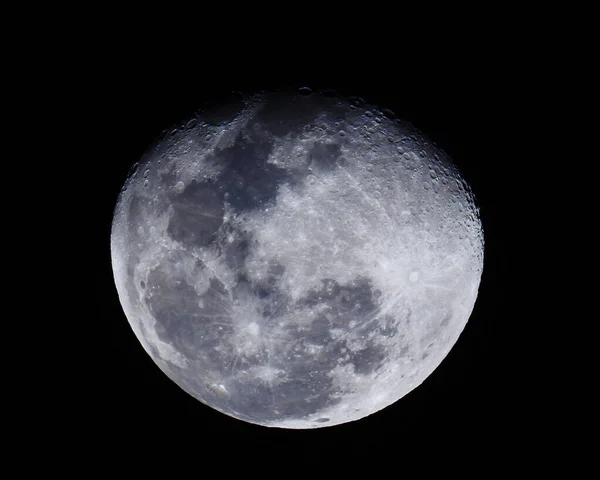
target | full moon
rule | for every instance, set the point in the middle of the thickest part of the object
(296, 259)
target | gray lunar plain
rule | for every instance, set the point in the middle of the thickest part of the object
(296, 260)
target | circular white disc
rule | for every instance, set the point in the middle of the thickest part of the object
(297, 261)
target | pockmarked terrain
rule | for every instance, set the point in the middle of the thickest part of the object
(296, 260)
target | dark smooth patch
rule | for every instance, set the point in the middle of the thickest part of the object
(352, 301)
(330, 290)
(248, 181)
(236, 252)
(197, 214)
(272, 298)
(222, 111)
(325, 156)
(193, 324)
(276, 270)
(282, 115)
(319, 330)
(368, 359)
(357, 302)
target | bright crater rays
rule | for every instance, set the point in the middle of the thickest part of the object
(296, 260)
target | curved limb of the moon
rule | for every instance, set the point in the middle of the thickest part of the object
(297, 261)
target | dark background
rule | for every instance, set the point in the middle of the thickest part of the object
(120, 401)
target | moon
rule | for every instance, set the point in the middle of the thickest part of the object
(296, 259)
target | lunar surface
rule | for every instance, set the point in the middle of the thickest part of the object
(296, 260)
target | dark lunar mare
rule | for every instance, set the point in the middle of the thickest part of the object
(201, 327)
(190, 224)
(194, 324)
(307, 386)
(353, 302)
(325, 156)
(204, 335)
(285, 113)
(248, 181)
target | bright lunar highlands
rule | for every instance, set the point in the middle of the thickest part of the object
(296, 260)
